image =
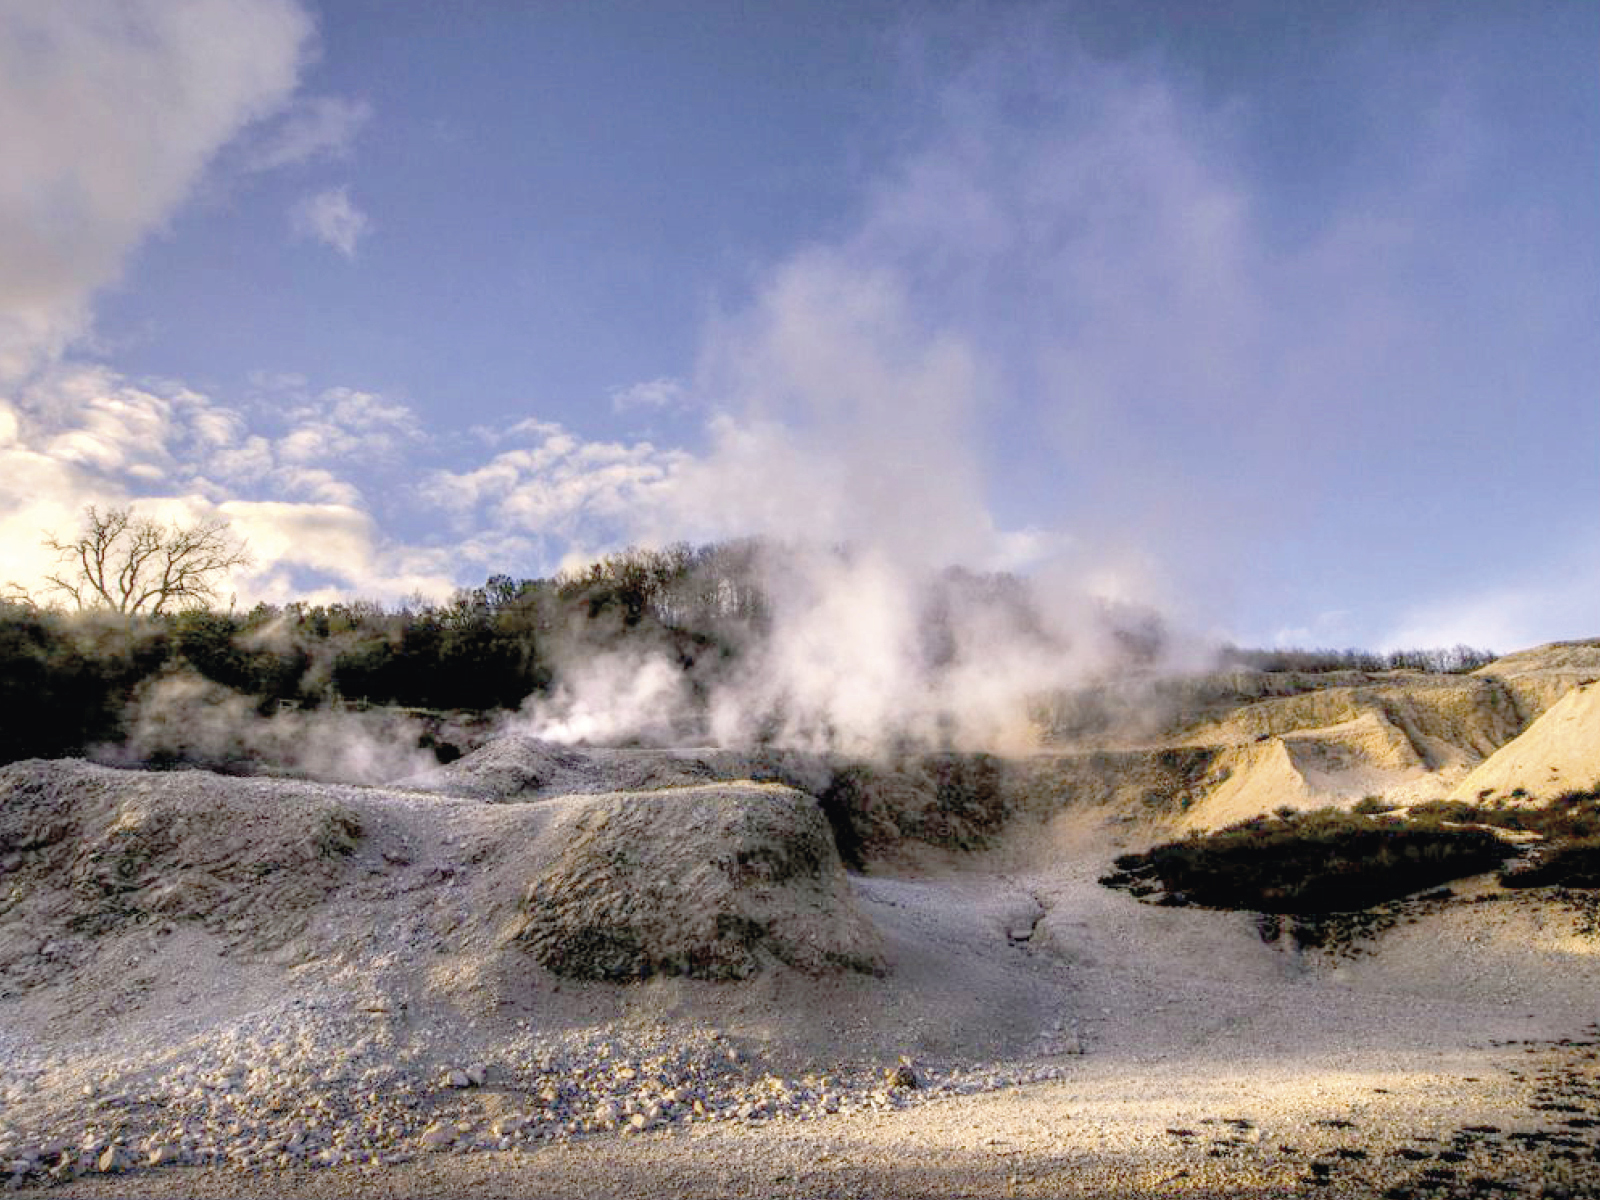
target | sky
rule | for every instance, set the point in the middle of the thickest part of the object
(1280, 317)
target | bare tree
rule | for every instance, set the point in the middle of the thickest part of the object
(134, 564)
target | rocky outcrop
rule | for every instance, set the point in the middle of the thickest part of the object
(1558, 753)
(711, 882)
(1539, 677)
(88, 850)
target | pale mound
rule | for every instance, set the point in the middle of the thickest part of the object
(710, 882)
(520, 767)
(87, 850)
(1253, 779)
(953, 801)
(1538, 678)
(1140, 710)
(509, 767)
(1582, 655)
(1560, 752)
(1434, 722)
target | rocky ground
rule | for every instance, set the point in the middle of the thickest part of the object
(241, 987)
(1132, 1051)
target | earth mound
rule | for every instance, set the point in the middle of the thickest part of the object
(948, 800)
(1540, 676)
(87, 851)
(709, 882)
(515, 766)
(1559, 752)
(712, 882)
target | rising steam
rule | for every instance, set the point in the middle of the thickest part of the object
(849, 448)
(184, 718)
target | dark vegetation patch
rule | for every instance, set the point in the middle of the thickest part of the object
(1316, 862)
(1571, 815)
(65, 681)
(1454, 660)
(1571, 864)
(1348, 934)
(952, 801)
(66, 678)
(1568, 853)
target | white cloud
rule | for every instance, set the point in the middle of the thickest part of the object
(654, 393)
(314, 127)
(79, 435)
(559, 494)
(348, 424)
(112, 112)
(301, 497)
(313, 551)
(331, 218)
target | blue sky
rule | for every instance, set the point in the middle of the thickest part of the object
(1280, 316)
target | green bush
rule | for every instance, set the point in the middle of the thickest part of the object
(1572, 864)
(1317, 862)
(1574, 814)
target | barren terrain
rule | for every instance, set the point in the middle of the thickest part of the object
(570, 972)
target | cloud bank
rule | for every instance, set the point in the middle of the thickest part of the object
(112, 114)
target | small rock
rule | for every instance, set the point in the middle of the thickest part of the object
(457, 1078)
(111, 1161)
(477, 1074)
(903, 1076)
(438, 1135)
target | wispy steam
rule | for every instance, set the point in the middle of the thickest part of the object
(848, 650)
(187, 719)
(859, 398)
(615, 696)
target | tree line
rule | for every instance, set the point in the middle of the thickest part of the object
(1452, 660)
(67, 676)
(144, 607)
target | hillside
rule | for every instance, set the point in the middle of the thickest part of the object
(1253, 745)
(761, 971)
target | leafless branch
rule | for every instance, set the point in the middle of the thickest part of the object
(133, 564)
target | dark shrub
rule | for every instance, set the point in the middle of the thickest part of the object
(1573, 864)
(1324, 861)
